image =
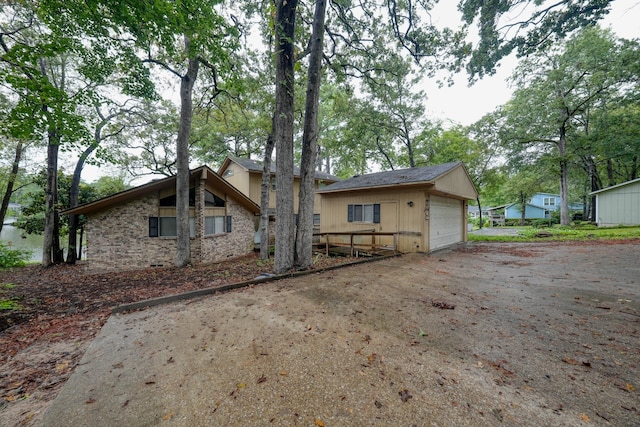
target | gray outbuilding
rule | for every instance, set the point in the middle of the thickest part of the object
(618, 204)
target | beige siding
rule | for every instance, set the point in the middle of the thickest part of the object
(619, 206)
(255, 188)
(240, 180)
(396, 215)
(457, 183)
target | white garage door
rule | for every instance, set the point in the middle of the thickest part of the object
(445, 223)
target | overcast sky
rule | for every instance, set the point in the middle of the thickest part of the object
(465, 105)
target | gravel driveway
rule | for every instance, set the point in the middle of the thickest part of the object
(543, 334)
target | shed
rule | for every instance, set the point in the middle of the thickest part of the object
(618, 204)
(418, 209)
(136, 228)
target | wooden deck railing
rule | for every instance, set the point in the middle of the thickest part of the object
(355, 247)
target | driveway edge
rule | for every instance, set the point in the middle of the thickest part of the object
(232, 286)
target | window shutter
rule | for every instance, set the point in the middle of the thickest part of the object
(376, 213)
(153, 226)
(350, 213)
(228, 230)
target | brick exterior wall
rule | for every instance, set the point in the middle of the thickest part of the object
(118, 238)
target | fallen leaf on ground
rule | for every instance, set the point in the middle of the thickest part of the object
(585, 418)
(62, 366)
(570, 361)
(404, 395)
(168, 416)
(319, 422)
(442, 305)
(262, 379)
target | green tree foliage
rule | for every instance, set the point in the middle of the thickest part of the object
(524, 26)
(556, 94)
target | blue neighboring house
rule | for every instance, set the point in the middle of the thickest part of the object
(540, 206)
(531, 211)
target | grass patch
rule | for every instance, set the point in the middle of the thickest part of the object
(6, 286)
(10, 304)
(563, 233)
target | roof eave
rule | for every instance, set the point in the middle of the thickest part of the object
(376, 187)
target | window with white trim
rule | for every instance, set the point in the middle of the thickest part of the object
(549, 201)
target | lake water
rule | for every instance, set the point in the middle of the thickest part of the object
(16, 238)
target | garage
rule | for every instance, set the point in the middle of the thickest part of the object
(446, 222)
(412, 210)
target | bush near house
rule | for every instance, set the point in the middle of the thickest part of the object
(10, 257)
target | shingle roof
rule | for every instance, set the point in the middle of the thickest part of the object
(213, 179)
(426, 174)
(256, 166)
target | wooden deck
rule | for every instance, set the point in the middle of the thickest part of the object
(352, 243)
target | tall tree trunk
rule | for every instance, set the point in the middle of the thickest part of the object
(611, 180)
(283, 134)
(74, 196)
(51, 252)
(523, 208)
(51, 241)
(479, 212)
(183, 255)
(11, 180)
(304, 230)
(564, 177)
(265, 186)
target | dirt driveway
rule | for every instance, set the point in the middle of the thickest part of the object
(489, 334)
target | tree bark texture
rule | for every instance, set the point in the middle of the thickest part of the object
(74, 196)
(11, 179)
(283, 134)
(564, 177)
(51, 242)
(183, 252)
(304, 230)
(265, 187)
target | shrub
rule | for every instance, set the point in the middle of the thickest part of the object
(10, 257)
(540, 223)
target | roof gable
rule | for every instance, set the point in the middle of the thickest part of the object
(624, 184)
(203, 172)
(255, 166)
(411, 176)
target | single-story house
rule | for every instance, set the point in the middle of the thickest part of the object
(246, 176)
(618, 204)
(136, 228)
(422, 208)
